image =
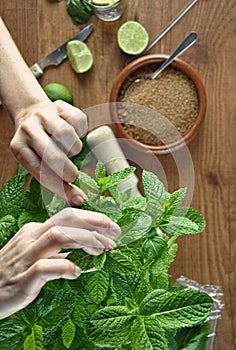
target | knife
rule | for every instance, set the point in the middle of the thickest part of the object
(60, 54)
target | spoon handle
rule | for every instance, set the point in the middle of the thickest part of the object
(188, 41)
(165, 30)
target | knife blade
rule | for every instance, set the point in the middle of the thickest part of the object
(60, 54)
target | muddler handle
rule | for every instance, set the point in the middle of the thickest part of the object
(104, 145)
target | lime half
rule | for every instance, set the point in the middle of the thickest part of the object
(79, 55)
(56, 91)
(132, 38)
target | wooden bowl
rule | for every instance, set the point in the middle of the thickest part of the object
(118, 85)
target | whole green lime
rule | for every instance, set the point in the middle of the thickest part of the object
(56, 91)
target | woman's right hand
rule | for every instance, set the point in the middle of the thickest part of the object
(32, 257)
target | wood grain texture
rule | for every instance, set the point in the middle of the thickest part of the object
(38, 27)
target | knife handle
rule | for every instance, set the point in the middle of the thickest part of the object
(36, 70)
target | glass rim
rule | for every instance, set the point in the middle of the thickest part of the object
(97, 7)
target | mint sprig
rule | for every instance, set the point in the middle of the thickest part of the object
(128, 302)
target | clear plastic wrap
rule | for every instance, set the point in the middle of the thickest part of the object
(216, 294)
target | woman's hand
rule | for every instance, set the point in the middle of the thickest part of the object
(32, 257)
(39, 129)
(39, 124)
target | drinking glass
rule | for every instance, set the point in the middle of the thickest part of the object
(108, 13)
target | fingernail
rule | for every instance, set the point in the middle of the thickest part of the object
(83, 195)
(115, 233)
(112, 245)
(77, 200)
(99, 245)
(115, 227)
(77, 271)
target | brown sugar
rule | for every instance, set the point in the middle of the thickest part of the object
(173, 97)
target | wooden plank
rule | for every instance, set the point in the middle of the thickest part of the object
(39, 26)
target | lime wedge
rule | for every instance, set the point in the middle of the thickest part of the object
(132, 38)
(56, 91)
(79, 55)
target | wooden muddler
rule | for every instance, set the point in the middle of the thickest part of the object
(106, 148)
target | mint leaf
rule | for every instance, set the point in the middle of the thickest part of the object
(35, 210)
(34, 341)
(134, 224)
(81, 258)
(103, 204)
(159, 269)
(22, 170)
(52, 307)
(80, 311)
(12, 196)
(99, 260)
(184, 221)
(100, 171)
(12, 334)
(68, 333)
(97, 285)
(110, 340)
(155, 194)
(136, 203)
(34, 195)
(114, 192)
(154, 249)
(8, 226)
(111, 318)
(123, 262)
(174, 200)
(78, 11)
(129, 286)
(193, 338)
(159, 277)
(84, 181)
(178, 309)
(147, 334)
(55, 205)
(31, 216)
(50, 336)
(118, 177)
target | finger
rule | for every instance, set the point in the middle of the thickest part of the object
(72, 194)
(50, 153)
(45, 270)
(85, 219)
(24, 237)
(48, 178)
(63, 132)
(52, 124)
(45, 149)
(73, 116)
(51, 242)
(27, 285)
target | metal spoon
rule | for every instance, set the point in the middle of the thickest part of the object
(188, 41)
(164, 31)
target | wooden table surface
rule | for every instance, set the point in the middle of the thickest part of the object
(39, 26)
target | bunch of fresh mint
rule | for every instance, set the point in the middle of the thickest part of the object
(79, 11)
(128, 302)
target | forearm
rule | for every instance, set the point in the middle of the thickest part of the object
(18, 87)
(39, 123)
